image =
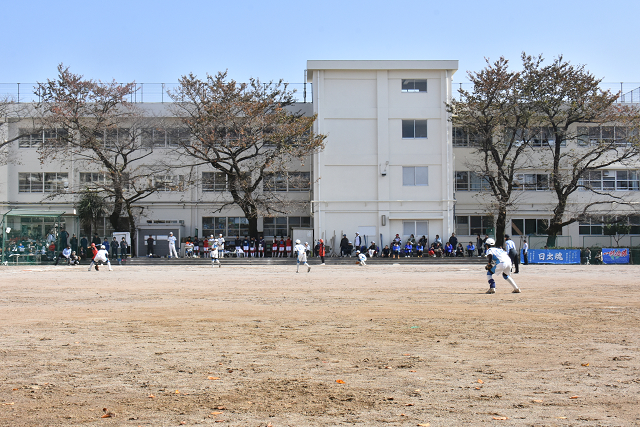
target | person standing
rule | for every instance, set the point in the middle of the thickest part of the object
(63, 236)
(74, 243)
(498, 262)
(479, 243)
(83, 247)
(525, 253)
(274, 247)
(344, 246)
(321, 251)
(261, 245)
(357, 242)
(510, 248)
(196, 247)
(124, 246)
(220, 243)
(288, 248)
(114, 245)
(281, 247)
(454, 241)
(96, 239)
(301, 255)
(150, 242)
(172, 245)
(215, 254)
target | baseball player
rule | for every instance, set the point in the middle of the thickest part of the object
(498, 262)
(214, 253)
(362, 259)
(172, 245)
(101, 256)
(299, 250)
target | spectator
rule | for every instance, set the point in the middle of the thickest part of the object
(150, 242)
(459, 250)
(124, 249)
(431, 252)
(84, 242)
(453, 240)
(396, 250)
(479, 243)
(65, 254)
(471, 249)
(74, 243)
(419, 248)
(438, 239)
(386, 252)
(95, 241)
(448, 249)
(372, 250)
(106, 244)
(321, 251)
(114, 248)
(344, 245)
(525, 253)
(408, 249)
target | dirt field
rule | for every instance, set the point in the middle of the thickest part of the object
(262, 346)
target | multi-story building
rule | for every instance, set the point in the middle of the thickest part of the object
(392, 165)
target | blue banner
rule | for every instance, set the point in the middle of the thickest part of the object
(554, 256)
(615, 256)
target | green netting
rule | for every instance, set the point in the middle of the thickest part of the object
(35, 236)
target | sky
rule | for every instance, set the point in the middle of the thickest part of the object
(159, 41)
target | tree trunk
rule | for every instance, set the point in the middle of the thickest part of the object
(132, 231)
(501, 224)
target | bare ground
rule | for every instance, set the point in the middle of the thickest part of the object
(262, 346)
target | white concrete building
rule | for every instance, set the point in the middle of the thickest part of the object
(387, 167)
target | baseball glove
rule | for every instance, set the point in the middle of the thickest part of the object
(489, 266)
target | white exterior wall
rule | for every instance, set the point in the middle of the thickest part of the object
(360, 107)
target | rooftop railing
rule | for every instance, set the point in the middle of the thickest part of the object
(145, 92)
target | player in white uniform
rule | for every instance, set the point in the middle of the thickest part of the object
(172, 245)
(301, 254)
(214, 253)
(362, 259)
(101, 256)
(498, 261)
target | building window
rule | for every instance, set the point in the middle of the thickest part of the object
(417, 228)
(414, 85)
(594, 135)
(227, 226)
(165, 138)
(414, 129)
(47, 182)
(531, 181)
(610, 225)
(214, 181)
(167, 182)
(415, 175)
(528, 226)
(471, 181)
(92, 179)
(292, 181)
(611, 180)
(280, 226)
(471, 225)
(462, 138)
(48, 137)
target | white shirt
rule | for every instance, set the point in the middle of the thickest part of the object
(498, 254)
(220, 243)
(102, 255)
(362, 257)
(299, 249)
(172, 240)
(525, 248)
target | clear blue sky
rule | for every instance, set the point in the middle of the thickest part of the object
(158, 41)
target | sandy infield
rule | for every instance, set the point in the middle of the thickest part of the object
(382, 345)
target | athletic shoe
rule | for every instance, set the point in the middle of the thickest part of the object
(491, 291)
(111, 269)
(308, 269)
(516, 291)
(97, 269)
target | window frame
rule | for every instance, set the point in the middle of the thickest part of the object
(409, 86)
(405, 173)
(411, 123)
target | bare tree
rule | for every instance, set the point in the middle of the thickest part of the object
(563, 96)
(248, 133)
(93, 124)
(496, 118)
(10, 111)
